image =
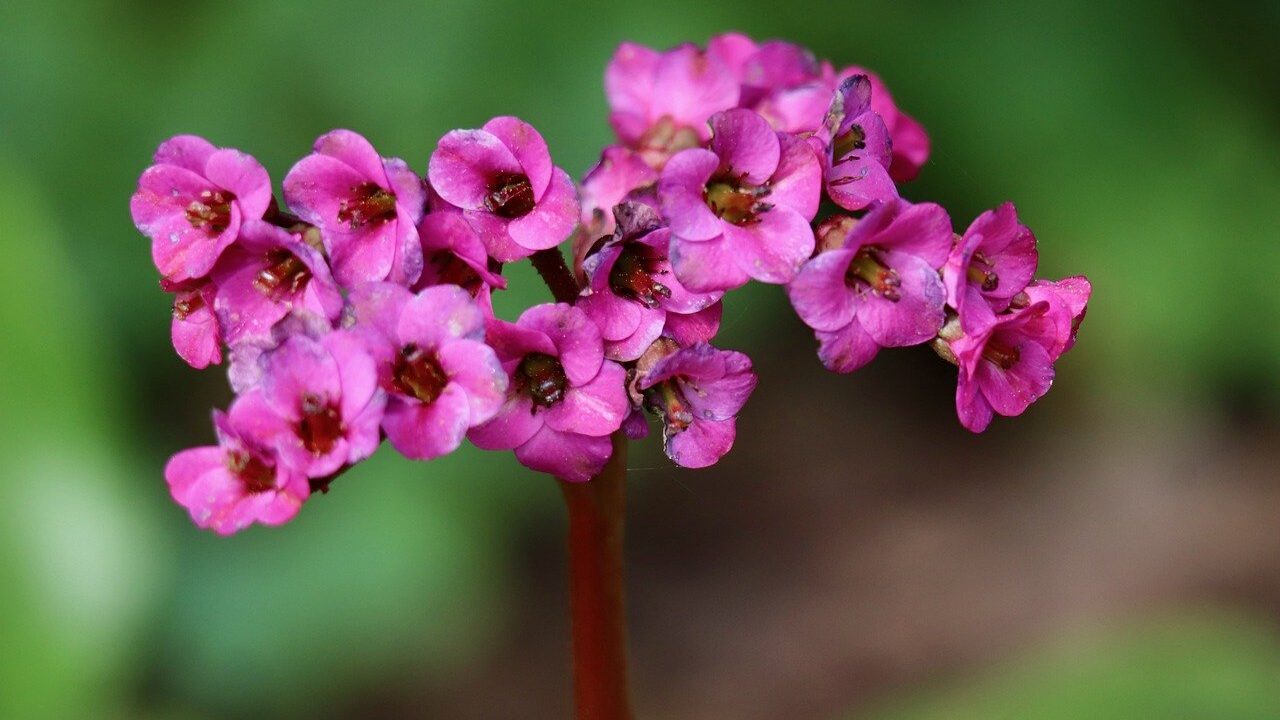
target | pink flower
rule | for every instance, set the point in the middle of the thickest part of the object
(563, 399)
(660, 101)
(631, 291)
(267, 274)
(991, 264)
(231, 485)
(452, 254)
(1068, 300)
(697, 391)
(367, 208)
(620, 175)
(910, 141)
(878, 287)
(502, 178)
(856, 149)
(1007, 364)
(740, 209)
(318, 402)
(195, 332)
(439, 376)
(192, 201)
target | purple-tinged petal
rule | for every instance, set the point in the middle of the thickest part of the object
(426, 431)
(617, 317)
(846, 349)
(464, 165)
(180, 250)
(510, 428)
(629, 80)
(189, 152)
(356, 152)
(1012, 391)
(747, 147)
(552, 219)
(317, 187)
(695, 327)
(195, 331)
(916, 316)
(300, 366)
(410, 192)
(707, 265)
(680, 193)
(923, 230)
(596, 408)
(528, 147)
(702, 443)
(363, 255)
(797, 183)
(356, 371)
(438, 315)
(773, 248)
(185, 470)
(378, 305)
(859, 183)
(474, 367)
(636, 426)
(972, 408)
(577, 340)
(820, 294)
(633, 346)
(512, 342)
(245, 177)
(690, 86)
(567, 456)
(732, 49)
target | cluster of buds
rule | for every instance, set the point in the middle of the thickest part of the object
(363, 311)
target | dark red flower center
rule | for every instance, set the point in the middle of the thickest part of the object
(632, 275)
(251, 471)
(542, 378)
(212, 212)
(736, 201)
(320, 426)
(284, 275)
(982, 272)
(868, 270)
(451, 270)
(186, 304)
(417, 373)
(1003, 355)
(510, 195)
(369, 203)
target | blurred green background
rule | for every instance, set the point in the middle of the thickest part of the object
(1113, 554)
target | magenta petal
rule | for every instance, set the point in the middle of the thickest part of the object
(426, 431)
(617, 318)
(438, 315)
(474, 367)
(819, 293)
(772, 249)
(696, 327)
(596, 408)
(352, 149)
(364, 255)
(317, 186)
(280, 506)
(569, 457)
(732, 49)
(689, 86)
(916, 316)
(746, 145)
(846, 349)
(189, 152)
(1011, 391)
(972, 408)
(910, 148)
(363, 430)
(464, 164)
(378, 305)
(577, 340)
(797, 183)
(512, 342)
(298, 367)
(411, 195)
(356, 371)
(528, 147)
(680, 193)
(628, 79)
(196, 336)
(245, 177)
(702, 444)
(245, 310)
(180, 250)
(633, 346)
(184, 471)
(858, 183)
(511, 427)
(707, 265)
(552, 219)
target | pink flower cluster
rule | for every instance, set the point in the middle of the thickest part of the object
(363, 311)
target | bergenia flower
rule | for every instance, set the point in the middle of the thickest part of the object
(1007, 364)
(856, 148)
(1069, 298)
(776, 65)
(502, 178)
(910, 141)
(317, 403)
(631, 290)
(878, 286)
(990, 264)
(452, 254)
(439, 376)
(231, 485)
(196, 334)
(620, 175)
(267, 274)
(192, 201)
(660, 102)
(740, 209)
(697, 391)
(366, 206)
(563, 400)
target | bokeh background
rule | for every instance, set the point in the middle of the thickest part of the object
(1115, 553)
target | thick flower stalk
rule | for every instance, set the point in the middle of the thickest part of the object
(357, 308)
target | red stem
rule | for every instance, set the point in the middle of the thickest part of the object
(597, 512)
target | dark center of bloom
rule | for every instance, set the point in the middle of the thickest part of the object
(982, 272)
(451, 270)
(185, 305)
(632, 275)
(1003, 355)
(667, 399)
(510, 195)
(734, 200)
(251, 471)
(868, 270)
(417, 373)
(849, 142)
(283, 275)
(542, 378)
(212, 212)
(368, 203)
(320, 426)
